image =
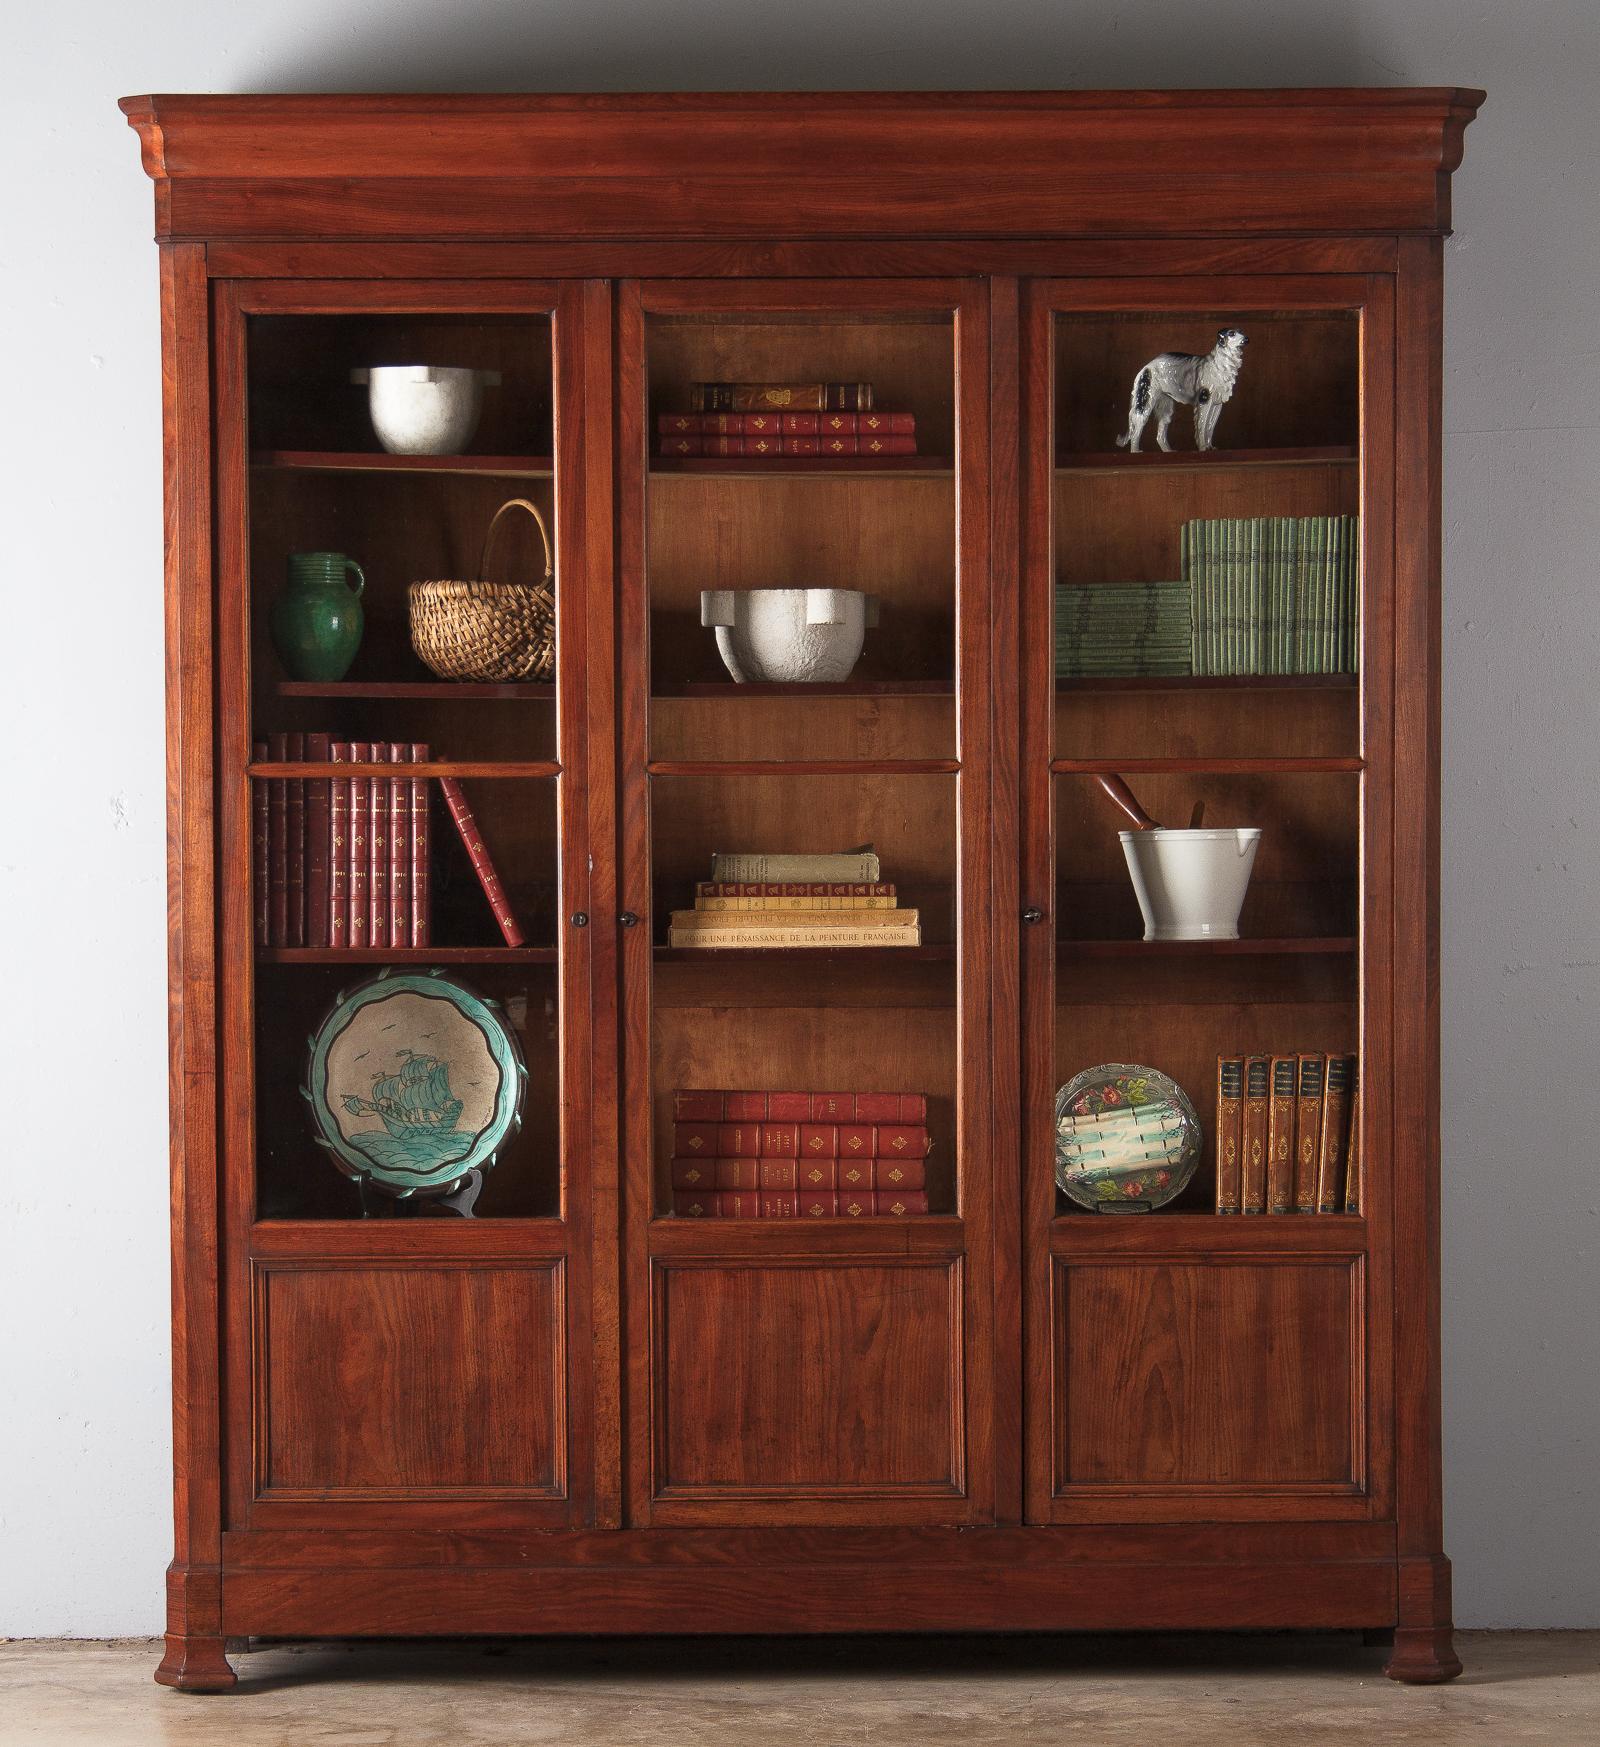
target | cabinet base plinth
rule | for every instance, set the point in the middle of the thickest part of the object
(1423, 1656)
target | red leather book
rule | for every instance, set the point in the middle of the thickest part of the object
(882, 1204)
(738, 1173)
(295, 830)
(779, 1204)
(793, 889)
(699, 1175)
(686, 445)
(868, 445)
(696, 1140)
(339, 849)
(699, 1106)
(319, 841)
(482, 862)
(866, 1140)
(717, 1204)
(852, 424)
(890, 1176)
(802, 445)
(360, 856)
(399, 824)
(710, 445)
(260, 850)
(816, 1174)
(738, 1140)
(906, 1107)
(421, 853)
(378, 851)
(678, 424)
(819, 1140)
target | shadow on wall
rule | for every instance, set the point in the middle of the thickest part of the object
(697, 45)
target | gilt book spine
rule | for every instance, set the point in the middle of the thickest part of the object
(1336, 1131)
(802, 938)
(319, 843)
(886, 1175)
(261, 849)
(731, 921)
(786, 424)
(421, 853)
(360, 859)
(707, 397)
(295, 828)
(1308, 1132)
(1253, 1173)
(339, 849)
(1230, 1111)
(378, 851)
(1280, 1136)
(399, 821)
(795, 1204)
(482, 861)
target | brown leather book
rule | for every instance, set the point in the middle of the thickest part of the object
(399, 825)
(360, 869)
(780, 396)
(1336, 1131)
(378, 851)
(482, 862)
(1280, 1136)
(1355, 1175)
(1308, 1132)
(295, 833)
(1230, 1112)
(1253, 1175)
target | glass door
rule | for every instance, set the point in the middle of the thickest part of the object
(401, 780)
(804, 874)
(1206, 699)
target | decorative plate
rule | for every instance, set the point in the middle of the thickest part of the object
(1127, 1138)
(414, 1081)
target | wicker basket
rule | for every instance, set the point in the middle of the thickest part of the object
(488, 630)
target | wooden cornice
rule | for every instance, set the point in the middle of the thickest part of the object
(793, 165)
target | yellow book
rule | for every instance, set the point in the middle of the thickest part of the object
(779, 935)
(808, 918)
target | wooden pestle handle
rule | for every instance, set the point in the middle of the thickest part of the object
(1123, 797)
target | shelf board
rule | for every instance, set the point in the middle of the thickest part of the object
(1119, 461)
(406, 955)
(1288, 947)
(1203, 1232)
(341, 461)
(1186, 766)
(1209, 682)
(804, 467)
(848, 688)
(855, 955)
(399, 690)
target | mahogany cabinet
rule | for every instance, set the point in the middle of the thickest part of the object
(574, 1411)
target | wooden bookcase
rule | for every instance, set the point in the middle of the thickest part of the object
(576, 1413)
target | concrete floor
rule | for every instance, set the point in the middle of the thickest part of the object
(1223, 1692)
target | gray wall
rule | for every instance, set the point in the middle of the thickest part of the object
(84, 1526)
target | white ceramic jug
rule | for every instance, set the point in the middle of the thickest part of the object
(1191, 884)
(424, 409)
(780, 635)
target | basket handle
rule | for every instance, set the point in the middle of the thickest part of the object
(516, 503)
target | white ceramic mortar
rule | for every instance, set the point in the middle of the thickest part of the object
(1191, 884)
(782, 635)
(424, 409)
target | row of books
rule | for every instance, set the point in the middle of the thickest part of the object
(1273, 594)
(799, 1155)
(777, 420)
(1288, 1134)
(1120, 629)
(829, 900)
(347, 861)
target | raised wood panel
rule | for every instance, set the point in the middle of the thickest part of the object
(1201, 1376)
(808, 1379)
(410, 1381)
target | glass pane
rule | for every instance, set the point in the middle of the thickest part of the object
(1206, 602)
(785, 494)
(359, 877)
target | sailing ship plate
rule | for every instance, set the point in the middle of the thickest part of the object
(414, 1081)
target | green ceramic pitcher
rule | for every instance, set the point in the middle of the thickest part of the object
(316, 621)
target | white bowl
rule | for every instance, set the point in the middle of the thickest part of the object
(424, 409)
(1191, 884)
(784, 635)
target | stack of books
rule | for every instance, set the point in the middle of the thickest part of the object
(1273, 594)
(1122, 630)
(799, 1155)
(779, 420)
(345, 862)
(1288, 1134)
(795, 900)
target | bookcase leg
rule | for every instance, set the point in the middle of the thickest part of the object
(195, 1660)
(1424, 1647)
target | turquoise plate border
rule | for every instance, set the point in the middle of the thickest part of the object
(503, 1048)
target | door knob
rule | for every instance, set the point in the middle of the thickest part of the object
(628, 919)
(1033, 914)
(580, 919)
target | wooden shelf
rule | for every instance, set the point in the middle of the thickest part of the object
(1119, 461)
(1206, 766)
(847, 688)
(420, 690)
(1330, 945)
(855, 955)
(406, 955)
(1209, 682)
(339, 461)
(806, 467)
(1201, 1232)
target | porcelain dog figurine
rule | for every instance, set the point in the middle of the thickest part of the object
(1183, 379)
